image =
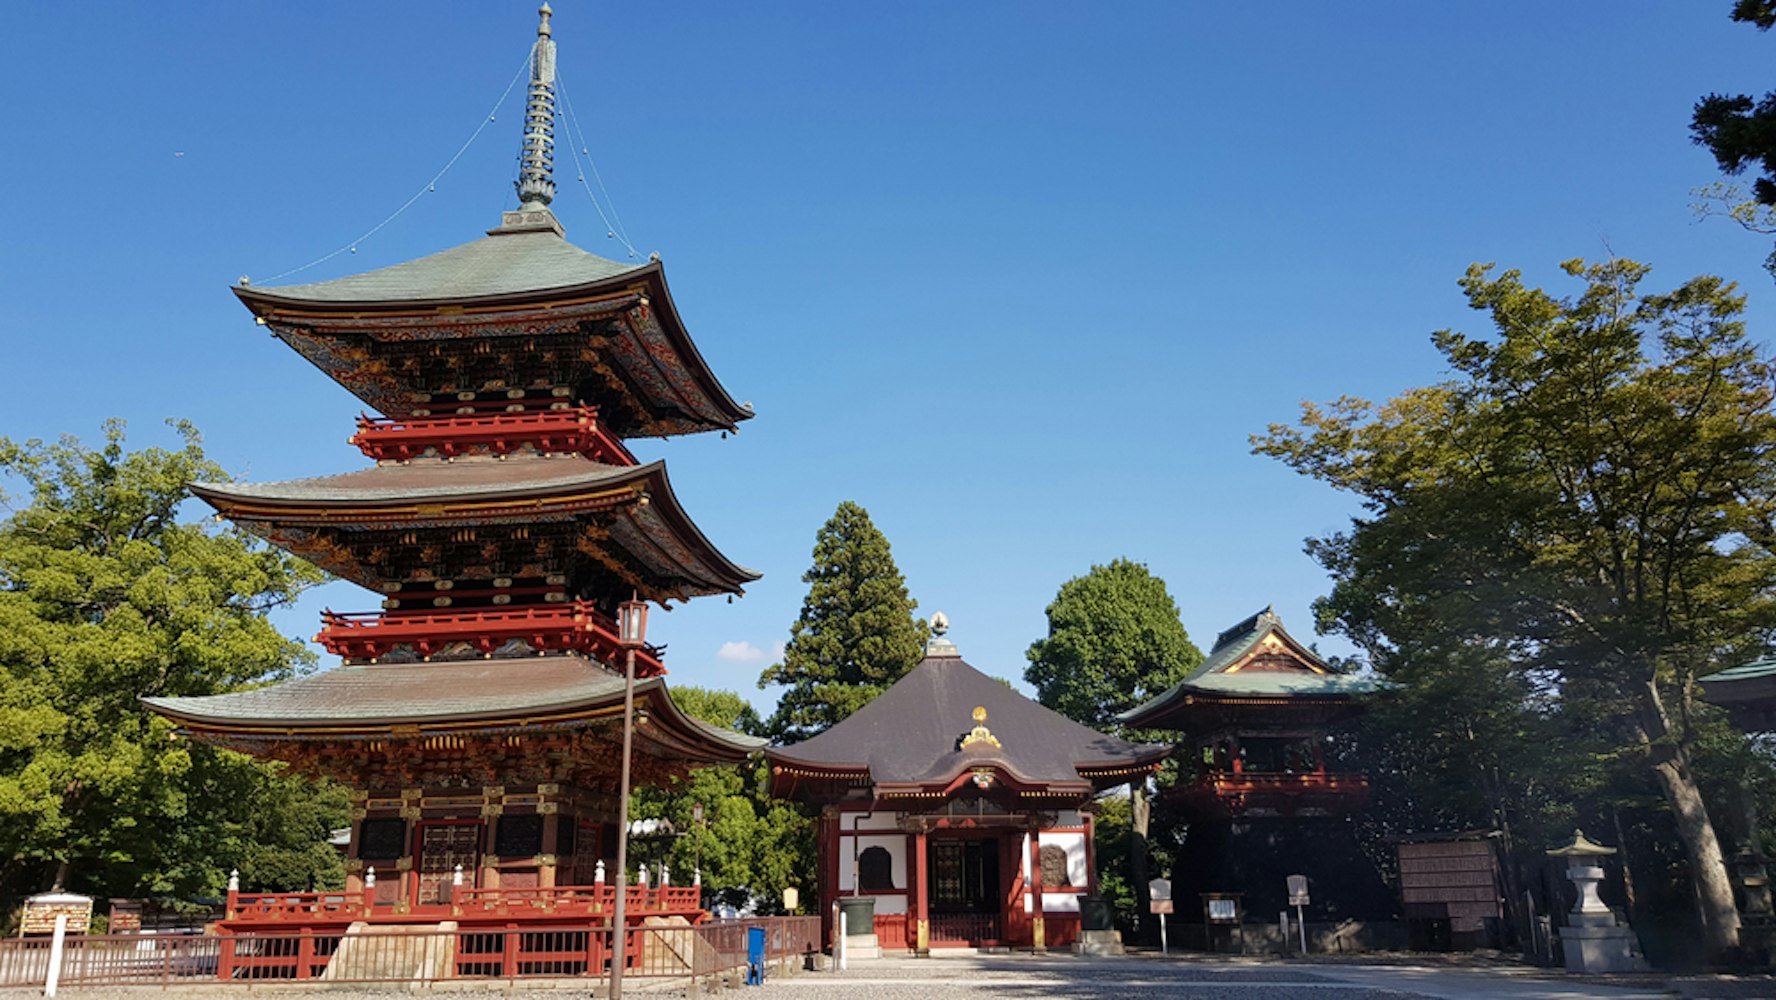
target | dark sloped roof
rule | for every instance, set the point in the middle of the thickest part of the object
(910, 734)
(456, 695)
(504, 262)
(1220, 673)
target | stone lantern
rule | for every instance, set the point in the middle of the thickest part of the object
(1592, 940)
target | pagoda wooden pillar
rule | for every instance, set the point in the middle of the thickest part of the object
(490, 819)
(919, 884)
(551, 839)
(1038, 940)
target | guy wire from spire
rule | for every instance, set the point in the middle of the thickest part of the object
(578, 146)
(430, 185)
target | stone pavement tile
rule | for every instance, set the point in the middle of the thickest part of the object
(1724, 987)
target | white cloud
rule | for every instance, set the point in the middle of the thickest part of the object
(740, 652)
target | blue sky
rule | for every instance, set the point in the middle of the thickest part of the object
(1020, 278)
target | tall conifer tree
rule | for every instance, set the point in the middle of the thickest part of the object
(856, 634)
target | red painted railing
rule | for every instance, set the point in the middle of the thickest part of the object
(569, 626)
(571, 901)
(310, 907)
(555, 902)
(575, 430)
(1275, 781)
(1283, 792)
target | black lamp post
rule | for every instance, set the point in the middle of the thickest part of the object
(632, 616)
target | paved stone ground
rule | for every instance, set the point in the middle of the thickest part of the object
(1022, 977)
(1006, 977)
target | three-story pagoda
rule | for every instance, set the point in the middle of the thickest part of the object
(477, 714)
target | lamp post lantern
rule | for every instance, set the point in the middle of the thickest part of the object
(632, 634)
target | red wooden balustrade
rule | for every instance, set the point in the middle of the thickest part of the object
(1273, 781)
(568, 626)
(573, 430)
(555, 902)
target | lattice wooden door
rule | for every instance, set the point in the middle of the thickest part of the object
(443, 846)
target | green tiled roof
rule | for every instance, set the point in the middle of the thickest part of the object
(502, 263)
(1231, 647)
(1754, 670)
(461, 694)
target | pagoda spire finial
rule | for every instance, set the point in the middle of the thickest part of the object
(536, 171)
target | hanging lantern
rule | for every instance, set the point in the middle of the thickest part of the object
(632, 618)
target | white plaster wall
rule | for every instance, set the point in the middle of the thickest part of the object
(868, 821)
(1064, 900)
(894, 844)
(894, 906)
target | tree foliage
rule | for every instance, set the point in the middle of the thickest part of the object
(750, 846)
(1583, 514)
(1114, 640)
(1741, 133)
(107, 596)
(856, 634)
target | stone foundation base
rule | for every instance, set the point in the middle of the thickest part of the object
(1098, 943)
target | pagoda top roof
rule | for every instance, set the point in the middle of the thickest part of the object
(1255, 658)
(645, 516)
(527, 255)
(358, 701)
(944, 721)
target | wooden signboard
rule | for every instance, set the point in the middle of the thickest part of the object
(41, 912)
(1160, 906)
(126, 917)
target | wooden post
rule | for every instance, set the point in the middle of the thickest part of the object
(1038, 940)
(921, 885)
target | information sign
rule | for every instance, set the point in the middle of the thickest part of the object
(1298, 890)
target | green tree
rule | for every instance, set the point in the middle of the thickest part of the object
(1741, 133)
(1590, 497)
(749, 846)
(856, 634)
(107, 596)
(1114, 640)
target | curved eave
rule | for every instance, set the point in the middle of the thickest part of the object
(271, 307)
(623, 488)
(667, 726)
(1165, 711)
(1089, 776)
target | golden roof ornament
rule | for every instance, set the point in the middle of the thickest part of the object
(980, 735)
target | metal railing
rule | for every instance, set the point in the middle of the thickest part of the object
(405, 954)
(966, 928)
